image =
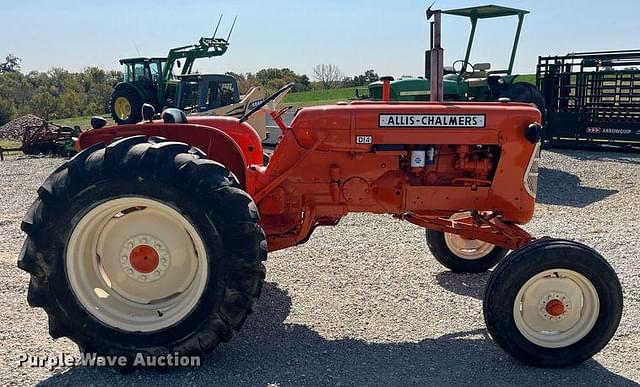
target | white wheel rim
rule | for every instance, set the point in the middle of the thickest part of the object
(556, 308)
(133, 288)
(469, 249)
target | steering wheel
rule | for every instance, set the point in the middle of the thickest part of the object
(463, 68)
(267, 100)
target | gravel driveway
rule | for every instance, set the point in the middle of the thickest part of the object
(364, 302)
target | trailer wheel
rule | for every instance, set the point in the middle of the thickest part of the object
(143, 248)
(553, 303)
(463, 255)
(126, 106)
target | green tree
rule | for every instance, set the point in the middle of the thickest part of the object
(366, 78)
(245, 81)
(8, 111)
(56, 93)
(43, 104)
(274, 78)
(11, 64)
(70, 104)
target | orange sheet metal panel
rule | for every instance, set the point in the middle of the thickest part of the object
(334, 161)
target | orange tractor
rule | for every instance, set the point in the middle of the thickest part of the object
(152, 239)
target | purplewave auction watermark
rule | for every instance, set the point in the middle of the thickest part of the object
(94, 360)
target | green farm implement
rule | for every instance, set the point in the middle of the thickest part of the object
(464, 81)
(153, 81)
(46, 138)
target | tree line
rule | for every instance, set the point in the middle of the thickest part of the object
(327, 76)
(59, 93)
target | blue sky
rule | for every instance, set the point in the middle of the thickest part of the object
(388, 36)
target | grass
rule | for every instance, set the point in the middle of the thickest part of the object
(84, 122)
(529, 78)
(328, 97)
(319, 97)
(10, 144)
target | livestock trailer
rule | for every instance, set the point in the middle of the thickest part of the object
(592, 98)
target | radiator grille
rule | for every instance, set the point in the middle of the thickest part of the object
(531, 176)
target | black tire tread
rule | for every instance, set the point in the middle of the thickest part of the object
(230, 208)
(520, 259)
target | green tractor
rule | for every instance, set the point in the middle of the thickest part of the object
(464, 81)
(152, 80)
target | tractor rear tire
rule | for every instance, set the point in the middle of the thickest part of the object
(126, 106)
(461, 255)
(143, 247)
(553, 303)
(528, 93)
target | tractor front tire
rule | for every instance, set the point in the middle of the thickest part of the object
(462, 255)
(143, 247)
(126, 106)
(553, 303)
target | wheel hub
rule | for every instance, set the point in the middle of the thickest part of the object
(555, 306)
(122, 108)
(138, 282)
(467, 248)
(144, 258)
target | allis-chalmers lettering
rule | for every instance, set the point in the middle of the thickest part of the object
(432, 120)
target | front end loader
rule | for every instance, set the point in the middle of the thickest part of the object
(158, 81)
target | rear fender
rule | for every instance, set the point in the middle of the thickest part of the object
(218, 145)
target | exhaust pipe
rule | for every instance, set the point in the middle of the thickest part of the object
(386, 88)
(436, 56)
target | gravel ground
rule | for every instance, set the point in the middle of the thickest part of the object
(364, 302)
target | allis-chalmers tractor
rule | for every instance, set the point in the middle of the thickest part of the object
(152, 239)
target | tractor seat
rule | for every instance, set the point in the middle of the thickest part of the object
(174, 116)
(480, 70)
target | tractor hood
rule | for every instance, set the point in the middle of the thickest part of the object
(311, 123)
(417, 89)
